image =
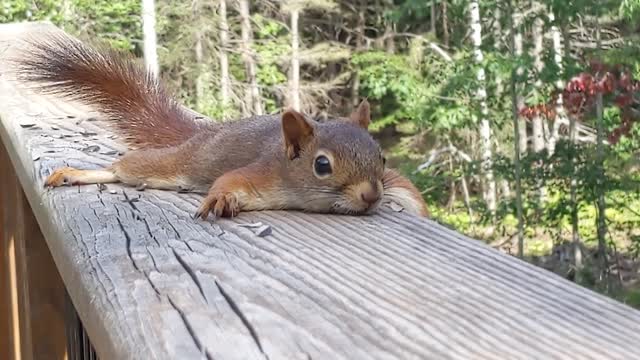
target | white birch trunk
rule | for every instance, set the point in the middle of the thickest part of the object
(466, 197)
(518, 52)
(519, 130)
(295, 60)
(538, 64)
(537, 121)
(497, 29)
(225, 78)
(602, 206)
(149, 35)
(253, 92)
(497, 43)
(485, 126)
(561, 116)
(575, 221)
(67, 11)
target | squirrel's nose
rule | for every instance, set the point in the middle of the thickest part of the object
(370, 196)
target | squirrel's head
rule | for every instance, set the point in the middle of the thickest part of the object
(335, 166)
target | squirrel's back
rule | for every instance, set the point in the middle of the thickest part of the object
(112, 82)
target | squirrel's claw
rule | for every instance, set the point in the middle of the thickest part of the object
(60, 177)
(221, 204)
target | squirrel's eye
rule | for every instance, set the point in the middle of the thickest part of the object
(322, 166)
(384, 161)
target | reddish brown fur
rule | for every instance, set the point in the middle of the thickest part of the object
(244, 188)
(394, 182)
(252, 164)
(166, 163)
(112, 82)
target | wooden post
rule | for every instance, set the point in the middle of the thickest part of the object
(31, 290)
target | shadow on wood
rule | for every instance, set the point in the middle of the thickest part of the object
(32, 296)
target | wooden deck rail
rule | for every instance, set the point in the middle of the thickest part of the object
(148, 282)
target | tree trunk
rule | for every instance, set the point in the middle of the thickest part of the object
(561, 116)
(390, 42)
(225, 78)
(452, 187)
(516, 103)
(503, 184)
(295, 61)
(466, 197)
(389, 30)
(149, 35)
(485, 126)
(355, 88)
(67, 11)
(575, 221)
(497, 43)
(518, 50)
(497, 29)
(537, 121)
(445, 24)
(200, 77)
(433, 17)
(538, 64)
(575, 233)
(602, 217)
(254, 100)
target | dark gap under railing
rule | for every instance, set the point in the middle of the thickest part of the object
(79, 346)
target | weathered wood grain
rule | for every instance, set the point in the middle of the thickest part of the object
(151, 283)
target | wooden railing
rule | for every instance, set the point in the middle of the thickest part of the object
(148, 282)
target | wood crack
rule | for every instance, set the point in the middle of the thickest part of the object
(128, 243)
(190, 330)
(101, 201)
(146, 223)
(153, 286)
(88, 223)
(129, 201)
(170, 224)
(236, 309)
(191, 273)
(129, 253)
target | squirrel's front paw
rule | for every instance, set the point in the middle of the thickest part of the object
(221, 204)
(60, 177)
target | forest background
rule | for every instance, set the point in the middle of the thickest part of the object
(516, 119)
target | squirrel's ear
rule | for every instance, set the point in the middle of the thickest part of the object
(362, 115)
(297, 132)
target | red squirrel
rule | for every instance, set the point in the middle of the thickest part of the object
(273, 162)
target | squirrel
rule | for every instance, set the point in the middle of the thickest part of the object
(271, 162)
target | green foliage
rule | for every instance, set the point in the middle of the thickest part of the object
(272, 45)
(414, 88)
(24, 10)
(392, 82)
(117, 22)
(630, 9)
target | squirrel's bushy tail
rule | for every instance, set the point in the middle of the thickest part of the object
(112, 83)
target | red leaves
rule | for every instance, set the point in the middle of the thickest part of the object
(580, 93)
(623, 100)
(545, 110)
(623, 129)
